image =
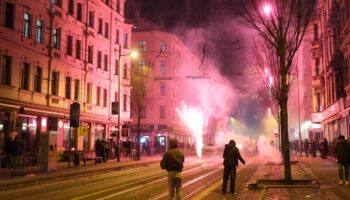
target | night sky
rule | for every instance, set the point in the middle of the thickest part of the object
(224, 40)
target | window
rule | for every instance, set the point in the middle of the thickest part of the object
(162, 66)
(125, 71)
(90, 54)
(106, 62)
(26, 25)
(57, 3)
(91, 18)
(100, 26)
(106, 30)
(317, 66)
(117, 36)
(55, 83)
(319, 107)
(162, 89)
(56, 38)
(315, 32)
(70, 45)
(25, 76)
(118, 6)
(71, 7)
(124, 102)
(10, 15)
(76, 89)
(68, 87)
(6, 70)
(143, 111)
(116, 72)
(162, 46)
(105, 97)
(78, 49)
(125, 40)
(98, 95)
(162, 112)
(142, 46)
(79, 12)
(38, 75)
(39, 31)
(99, 59)
(89, 93)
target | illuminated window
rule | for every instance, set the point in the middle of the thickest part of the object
(56, 38)
(26, 25)
(68, 87)
(10, 15)
(39, 31)
(162, 112)
(70, 45)
(6, 70)
(162, 46)
(25, 75)
(142, 46)
(38, 74)
(162, 66)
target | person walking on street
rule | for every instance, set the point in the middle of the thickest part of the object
(325, 149)
(231, 157)
(343, 158)
(306, 147)
(173, 161)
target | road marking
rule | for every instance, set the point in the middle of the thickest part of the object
(216, 185)
(134, 188)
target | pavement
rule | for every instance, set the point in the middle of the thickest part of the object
(32, 175)
(313, 178)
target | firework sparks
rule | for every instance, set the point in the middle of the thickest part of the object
(194, 120)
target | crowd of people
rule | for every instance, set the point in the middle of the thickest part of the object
(310, 148)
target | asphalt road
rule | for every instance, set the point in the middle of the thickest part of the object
(143, 182)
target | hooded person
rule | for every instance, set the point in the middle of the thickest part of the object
(231, 157)
(342, 153)
(172, 161)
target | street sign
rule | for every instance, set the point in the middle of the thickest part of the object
(115, 108)
(74, 114)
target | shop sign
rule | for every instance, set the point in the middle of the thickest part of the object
(333, 109)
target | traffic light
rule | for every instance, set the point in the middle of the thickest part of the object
(74, 114)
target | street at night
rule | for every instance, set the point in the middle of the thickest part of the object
(175, 99)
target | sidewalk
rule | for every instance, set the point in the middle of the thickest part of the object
(313, 178)
(34, 176)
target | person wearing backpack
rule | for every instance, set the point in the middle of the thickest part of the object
(231, 157)
(172, 162)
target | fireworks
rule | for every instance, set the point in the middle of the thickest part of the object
(194, 120)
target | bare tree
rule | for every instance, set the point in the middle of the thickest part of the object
(140, 76)
(282, 25)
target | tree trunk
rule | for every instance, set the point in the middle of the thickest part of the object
(138, 153)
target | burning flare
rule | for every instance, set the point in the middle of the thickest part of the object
(194, 120)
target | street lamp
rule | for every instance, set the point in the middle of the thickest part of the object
(133, 54)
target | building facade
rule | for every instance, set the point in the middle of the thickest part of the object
(173, 67)
(331, 73)
(54, 53)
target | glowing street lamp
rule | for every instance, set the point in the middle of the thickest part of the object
(132, 54)
(267, 9)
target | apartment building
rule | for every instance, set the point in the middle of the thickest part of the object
(57, 52)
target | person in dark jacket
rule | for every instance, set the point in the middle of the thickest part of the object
(342, 154)
(173, 161)
(231, 157)
(325, 149)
